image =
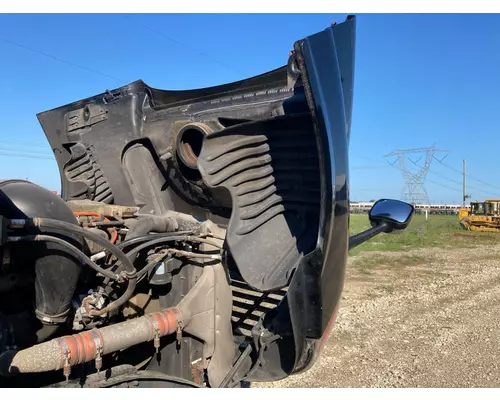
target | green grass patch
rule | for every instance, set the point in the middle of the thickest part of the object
(437, 231)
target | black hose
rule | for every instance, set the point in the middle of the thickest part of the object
(149, 267)
(120, 301)
(66, 227)
(151, 241)
(145, 238)
(127, 264)
(68, 246)
(164, 239)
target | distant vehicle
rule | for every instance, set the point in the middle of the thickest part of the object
(481, 216)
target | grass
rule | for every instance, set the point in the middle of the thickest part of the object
(437, 231)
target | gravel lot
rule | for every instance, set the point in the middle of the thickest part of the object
(434, 323)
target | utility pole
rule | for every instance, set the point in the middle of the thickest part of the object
(466, 196)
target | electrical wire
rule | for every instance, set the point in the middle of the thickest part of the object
(208, 57)
(442, 176)
(468, 176)
(381, 166)
(35, 152)
(460, 183)
(449, 179)
(24, 143)
(443, 185)
(27, 156)
(52, 57)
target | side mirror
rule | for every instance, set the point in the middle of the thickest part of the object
(394, 213)
(385, 216)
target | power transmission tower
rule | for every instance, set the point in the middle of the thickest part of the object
(414, 189)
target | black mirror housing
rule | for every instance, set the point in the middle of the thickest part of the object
(395, 214)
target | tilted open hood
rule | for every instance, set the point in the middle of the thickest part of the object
(267, 157)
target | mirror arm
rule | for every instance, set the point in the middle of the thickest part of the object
(362, 237)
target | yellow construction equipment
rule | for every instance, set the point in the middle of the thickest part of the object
(482, 216)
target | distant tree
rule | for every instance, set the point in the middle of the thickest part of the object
(372, 201)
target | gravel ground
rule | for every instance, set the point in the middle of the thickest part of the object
(435, 324)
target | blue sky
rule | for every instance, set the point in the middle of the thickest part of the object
(420, 80)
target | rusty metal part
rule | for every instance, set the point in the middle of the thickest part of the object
(108, 210)
(67, 351)
(189, 142)
(114, 235)
(86, 218)
(198, 371)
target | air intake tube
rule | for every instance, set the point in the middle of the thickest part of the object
(56, 271)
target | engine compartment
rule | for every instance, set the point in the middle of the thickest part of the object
(53, 306)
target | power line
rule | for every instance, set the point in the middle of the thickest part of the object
(468, 176)
(26, 153)
(35, 152)
(482, 191)
(40, 157)
(24, 143)
(457, 182)
(22, 46)
(380, 166)
(442, 185)
(363, 158)
(191, 48)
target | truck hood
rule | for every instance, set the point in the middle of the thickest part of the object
(265, 157)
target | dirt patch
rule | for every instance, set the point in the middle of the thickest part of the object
(422, 324)
(463, 235)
